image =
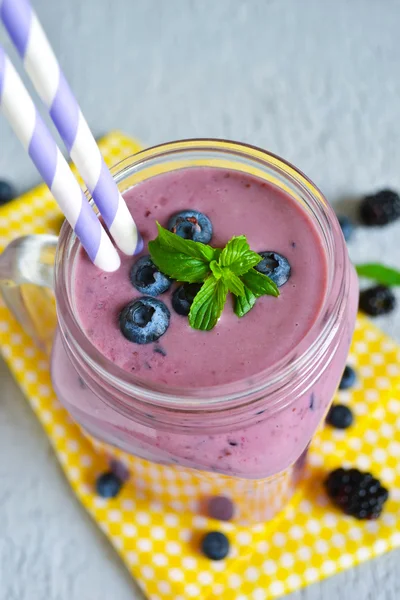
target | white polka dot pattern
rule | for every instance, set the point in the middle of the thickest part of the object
(309, 541)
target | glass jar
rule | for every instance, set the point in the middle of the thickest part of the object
(244, 442)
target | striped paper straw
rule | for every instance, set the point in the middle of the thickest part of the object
(21, 112)
(44, 70)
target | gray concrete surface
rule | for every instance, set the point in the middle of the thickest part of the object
(315, 81)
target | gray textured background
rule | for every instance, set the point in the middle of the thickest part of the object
(315, 81)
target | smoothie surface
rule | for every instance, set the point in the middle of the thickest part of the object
(237, 348)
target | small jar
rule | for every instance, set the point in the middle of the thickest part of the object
(245, 442)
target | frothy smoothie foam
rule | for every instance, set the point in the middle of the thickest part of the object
(237, 348)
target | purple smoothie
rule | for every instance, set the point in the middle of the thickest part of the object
(237, 348)
(231, 411)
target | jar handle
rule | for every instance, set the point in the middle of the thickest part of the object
(26, 285)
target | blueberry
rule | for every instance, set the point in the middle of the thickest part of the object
(183, 297)
(146, 277)
(144, 320)
(191, 225)
(221, 508)
(348, 378)
(215, 545)
(108, 485)
(377, 301)
(347, 227)
(7, 192)
(275, 266)
(340, 416)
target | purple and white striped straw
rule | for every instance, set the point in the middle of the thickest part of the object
(44, 70)
(23, 117)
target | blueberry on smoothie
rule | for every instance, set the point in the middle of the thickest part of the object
(144, 320)
(191, 225)
(183, 297)
(275, 266)
(146, 278)
(215, 545)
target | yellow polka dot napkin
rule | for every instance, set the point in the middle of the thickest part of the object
(310, 540)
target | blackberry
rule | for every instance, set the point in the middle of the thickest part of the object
(377, 300)
(380, 208)
(355, 493)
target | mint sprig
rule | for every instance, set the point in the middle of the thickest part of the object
(233, 283)
(230, 269)
(379, 273)
(208, 304)
(243, 304)
(256, 284)
(181, 259)
(238, 257)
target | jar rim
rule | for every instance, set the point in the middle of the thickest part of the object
(238, 393)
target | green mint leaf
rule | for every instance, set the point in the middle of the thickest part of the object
(219, 270)
(243, 304)
(255, 285)
(259, 284)
(217, 253)
(233, 283)
(181, 259)
(208, 304)
(216, 269)
(238, 257)
(379, 273)
(177, 265)
(187, 247)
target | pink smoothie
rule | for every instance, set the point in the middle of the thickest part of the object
(268, 442)
(236, 348)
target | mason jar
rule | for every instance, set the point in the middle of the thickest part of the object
(244, 442)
